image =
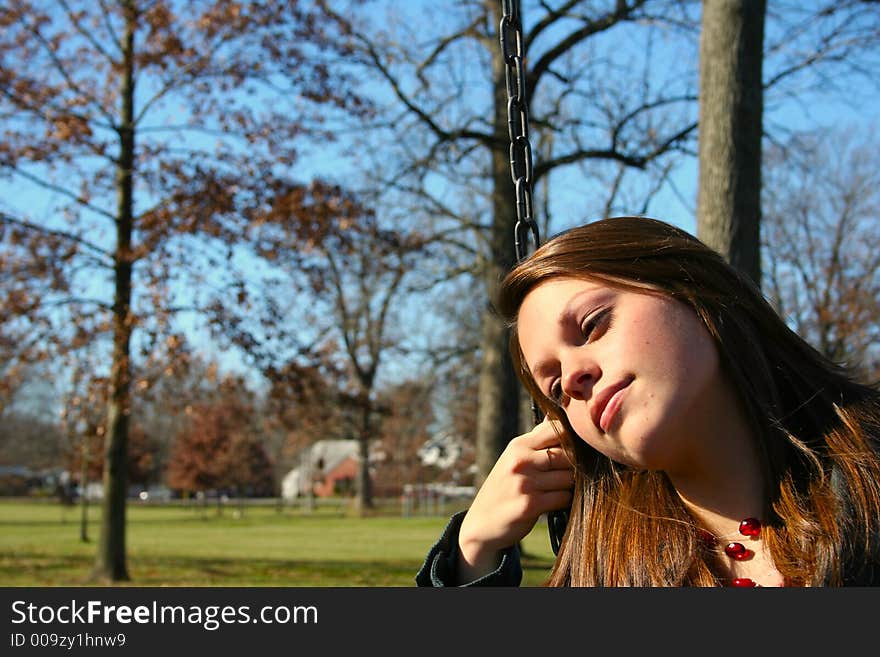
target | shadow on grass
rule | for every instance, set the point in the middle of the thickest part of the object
(33, 569)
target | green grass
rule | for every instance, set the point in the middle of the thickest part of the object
(263, 546)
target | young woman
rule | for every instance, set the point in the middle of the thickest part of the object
(697, 440)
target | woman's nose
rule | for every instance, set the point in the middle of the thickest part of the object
(579, 379)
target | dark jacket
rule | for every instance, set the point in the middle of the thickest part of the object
(441, 564)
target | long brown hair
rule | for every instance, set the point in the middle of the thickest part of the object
(818, 428)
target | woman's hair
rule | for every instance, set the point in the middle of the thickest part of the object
(818, 428)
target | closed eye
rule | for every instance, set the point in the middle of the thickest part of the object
(555, 394)
(596, 325)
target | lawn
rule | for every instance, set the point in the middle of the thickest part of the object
(262, 545)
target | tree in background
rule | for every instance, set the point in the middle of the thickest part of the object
(84, 422)
(303, 404)
(731, 129)
(30, 440)
(347, 306)
(822, 261)
(404, 425)
(84, 405)
(166, 381)
(143, 144)
(811, 51)
(219, 450)
(30, 435)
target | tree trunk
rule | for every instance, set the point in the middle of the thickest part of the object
(499, 390)
(364, 485)
(83, 482)
(730, 128)
(110, 561)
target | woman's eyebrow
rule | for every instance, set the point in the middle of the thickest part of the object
(576, 301)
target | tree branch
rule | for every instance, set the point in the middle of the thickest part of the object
(61, 190)
(621, 12)
(59, 66)
(5, 218)
(444, 135)
(638, 161)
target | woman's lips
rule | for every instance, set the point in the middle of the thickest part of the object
(608, 402)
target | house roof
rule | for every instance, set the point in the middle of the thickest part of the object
(330, 453)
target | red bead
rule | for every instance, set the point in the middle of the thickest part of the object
(750, 527)
(708, 539)
(743, 582)
(737, 551)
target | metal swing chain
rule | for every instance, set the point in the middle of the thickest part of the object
(510, 33)
(511, 36)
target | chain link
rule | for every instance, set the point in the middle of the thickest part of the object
(511, 36)
(510, 33)
(525, 229)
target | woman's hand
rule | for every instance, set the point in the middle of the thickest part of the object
(532, 476)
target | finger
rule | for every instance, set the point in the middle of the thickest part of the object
(557, 480)
(553, 500)
(552, 458)
(546, 434)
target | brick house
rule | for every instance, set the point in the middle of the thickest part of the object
(330, 467)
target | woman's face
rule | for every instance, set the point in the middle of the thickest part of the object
(637, 374)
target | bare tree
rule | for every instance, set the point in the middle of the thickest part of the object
(353, 286)
(30, 432)
(822, 262)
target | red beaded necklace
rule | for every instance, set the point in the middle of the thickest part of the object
(750, 527)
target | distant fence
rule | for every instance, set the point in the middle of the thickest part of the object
(414, 500)
(433, 499)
